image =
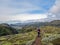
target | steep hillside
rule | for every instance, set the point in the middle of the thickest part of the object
(55, 22)
(5, 29)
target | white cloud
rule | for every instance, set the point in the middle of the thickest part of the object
(56, 7)
(55, 10)
(22, 17)
(9, 7)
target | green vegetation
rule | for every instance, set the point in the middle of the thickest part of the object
(50, 34)
(5, 29)
(51, 29)
(24, 36)
(21, 39)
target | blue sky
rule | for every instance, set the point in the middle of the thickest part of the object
(26, 6)
(18, 9)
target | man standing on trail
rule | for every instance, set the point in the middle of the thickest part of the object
(38, 30)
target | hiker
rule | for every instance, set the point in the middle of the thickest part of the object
(38, 30)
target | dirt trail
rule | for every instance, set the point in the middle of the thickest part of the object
(37, 41)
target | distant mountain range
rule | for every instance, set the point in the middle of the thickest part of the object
(7, 29)
(54, 23)
(37, 23)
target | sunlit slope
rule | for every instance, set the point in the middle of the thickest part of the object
(20, 39)
(51, 35)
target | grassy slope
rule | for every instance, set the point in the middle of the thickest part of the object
(50, 33)
(23, 39)
(20, 39)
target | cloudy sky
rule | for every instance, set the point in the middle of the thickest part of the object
(23, 10)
